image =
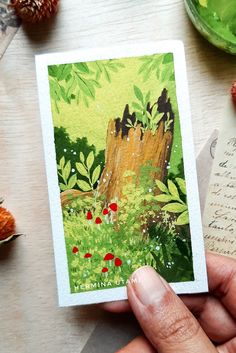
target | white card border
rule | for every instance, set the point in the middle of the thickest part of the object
(103, 295)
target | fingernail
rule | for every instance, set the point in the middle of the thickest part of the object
(148, 286)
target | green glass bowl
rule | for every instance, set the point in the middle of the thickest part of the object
(216, 21)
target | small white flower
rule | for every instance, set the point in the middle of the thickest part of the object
(73, 170)
(157, 247)
(150, 190)
(65, 150)
(74, 153)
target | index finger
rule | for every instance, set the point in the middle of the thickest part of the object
(222, 280)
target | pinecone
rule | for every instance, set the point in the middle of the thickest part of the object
(7, 223)
(35, 10)
(233, 92)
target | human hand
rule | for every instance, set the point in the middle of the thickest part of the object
(166, 320)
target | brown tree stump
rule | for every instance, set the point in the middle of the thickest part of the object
(128, 149)
(129, 153)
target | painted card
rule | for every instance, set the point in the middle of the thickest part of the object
(120, 167)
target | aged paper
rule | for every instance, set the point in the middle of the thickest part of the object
(219, 221)
(204, 166)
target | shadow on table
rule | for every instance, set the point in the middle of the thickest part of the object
(112, 332)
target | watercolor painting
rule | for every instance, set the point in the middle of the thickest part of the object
(120, 170)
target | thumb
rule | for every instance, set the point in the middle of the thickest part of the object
(165, 320)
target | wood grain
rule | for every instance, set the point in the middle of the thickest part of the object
(30, 319)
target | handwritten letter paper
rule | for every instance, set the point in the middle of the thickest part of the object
(220, 211)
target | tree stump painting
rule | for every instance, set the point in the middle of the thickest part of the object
(128, 149)
(130, 153)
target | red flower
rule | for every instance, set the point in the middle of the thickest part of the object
(75, 250)
(105, 211)
(113, 206)
(87, 255)
(118, 262)
(98, 220)
(108, 256)
(104, 270)
(89, 215)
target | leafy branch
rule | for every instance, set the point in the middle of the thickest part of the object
(79, 81)
(161, 65)
(174, 195)
(84, 168)
(146, 114)
(64, 170)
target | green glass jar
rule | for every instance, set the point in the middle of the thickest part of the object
(216, 21)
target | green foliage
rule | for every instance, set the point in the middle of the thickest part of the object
(64, 171)
(174, 195)
(161, 65)
(84, 167)
(173, 255)
(146, 114)
(74, 152)
(79, 81)
(133, 233)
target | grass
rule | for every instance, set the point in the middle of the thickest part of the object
(132, 232)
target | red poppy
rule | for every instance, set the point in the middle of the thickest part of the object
(104, 270)
(75, 249)
(113, 206)
(118, 262)
(87, 255)
(108, 256)
(98, 220)
(89, 215)
(105, 211)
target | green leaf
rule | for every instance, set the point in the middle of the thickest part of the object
(168, 58)
(63, 187)
(175, 207)
(182, 219)
(62, 162)
(138, 94)
(81, 156)
(84, 88)
(182, 185)
(72, 181)
(172, 77)
(137, 106)
(65, 70)
(83, 185)
(96, 174)
(82, 67)
(172, 188)
(52, 70)
(90, 160)
(107, 76)
(163, 198)
(81, 169)
(66, 171)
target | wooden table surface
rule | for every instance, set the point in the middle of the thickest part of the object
(30, 319)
